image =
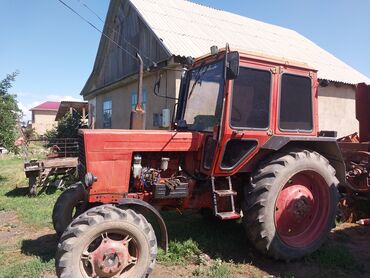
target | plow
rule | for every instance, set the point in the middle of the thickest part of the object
(355, 150)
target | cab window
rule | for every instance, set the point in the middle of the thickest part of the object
(251, 99)
(295, 103)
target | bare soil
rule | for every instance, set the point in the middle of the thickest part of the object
(353, 239)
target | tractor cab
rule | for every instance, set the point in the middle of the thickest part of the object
(240, 101)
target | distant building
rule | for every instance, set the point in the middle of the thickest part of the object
(43, 116)
(72, 107)
(166, 32)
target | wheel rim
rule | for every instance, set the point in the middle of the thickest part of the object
(111, 254)
(302, 209)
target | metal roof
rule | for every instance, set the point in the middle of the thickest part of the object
(47, 105)
(65, 107)
(189, 29)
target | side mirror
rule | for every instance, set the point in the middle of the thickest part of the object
(232, 66)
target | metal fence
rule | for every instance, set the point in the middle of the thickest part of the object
(51, 148)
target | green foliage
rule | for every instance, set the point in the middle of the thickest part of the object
(67, 127)
(218, 269)
(28, 134)
(9, 113)
(179, 252)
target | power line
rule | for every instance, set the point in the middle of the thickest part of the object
(96, 28)
(87, 7)
(114, 30)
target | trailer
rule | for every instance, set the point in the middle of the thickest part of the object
(61, 161)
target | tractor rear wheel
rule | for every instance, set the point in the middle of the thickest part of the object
(290, 205)
(70, 204)
(107, 241)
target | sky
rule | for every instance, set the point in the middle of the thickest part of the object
(54, 50)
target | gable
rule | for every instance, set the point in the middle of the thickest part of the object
(126, 27)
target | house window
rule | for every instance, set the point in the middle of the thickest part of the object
(134, 99)
(107, 114)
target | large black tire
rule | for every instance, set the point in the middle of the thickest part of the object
(275, 194)
(111, 221)
(70, 204)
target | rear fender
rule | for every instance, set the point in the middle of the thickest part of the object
(326, 146)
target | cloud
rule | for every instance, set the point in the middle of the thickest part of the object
(61, 98)
(27, 114)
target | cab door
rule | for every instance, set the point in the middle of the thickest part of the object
(247, 118)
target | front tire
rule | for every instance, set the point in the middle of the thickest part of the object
(290, 205)
(107, 241)
(70, 204)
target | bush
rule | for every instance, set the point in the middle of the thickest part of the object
(67, 127)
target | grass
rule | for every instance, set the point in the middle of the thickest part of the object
(334, 257)
(218, 269)
(27, 257)
(180, 252)
(13, 195)
(212, 248)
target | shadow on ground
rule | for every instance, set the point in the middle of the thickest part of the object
(24, 191)
(345, 254)
(44, 247)
(2, 178)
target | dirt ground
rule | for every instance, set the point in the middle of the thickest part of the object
(350, 240)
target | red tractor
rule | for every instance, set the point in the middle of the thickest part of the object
(245, 143)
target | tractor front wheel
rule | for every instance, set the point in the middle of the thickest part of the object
(290, 204)
(107, 241)
(70, 204)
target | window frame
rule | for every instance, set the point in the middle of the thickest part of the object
(144, 98)
(188, 80)
(242, 158)
(270, 100)
(279, 105)
(111, 114)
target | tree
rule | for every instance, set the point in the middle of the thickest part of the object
(9, 113)
(67, 127)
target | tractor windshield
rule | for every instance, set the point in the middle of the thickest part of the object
(204, 97)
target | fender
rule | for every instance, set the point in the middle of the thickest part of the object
(137, 203)
(326, 146)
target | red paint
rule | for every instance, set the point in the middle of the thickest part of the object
(302, 209)
(109, 153)
(48, 105)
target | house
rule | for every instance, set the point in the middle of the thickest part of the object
(43, 116)
(165, 32)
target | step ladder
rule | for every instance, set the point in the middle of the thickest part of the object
(224, 193)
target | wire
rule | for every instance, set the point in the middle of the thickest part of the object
(114, 30)
(96, 28)
(91, 10)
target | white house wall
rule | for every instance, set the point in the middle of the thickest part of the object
(337, 109)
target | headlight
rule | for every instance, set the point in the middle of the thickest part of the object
(90, 179)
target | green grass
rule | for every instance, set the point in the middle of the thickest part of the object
(180, 252)
(218, 269)
(34, 267)
(214, 248)
(13, 196)
(28, 257)
(333, 256)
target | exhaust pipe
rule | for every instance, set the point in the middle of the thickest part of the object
(137, 119)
